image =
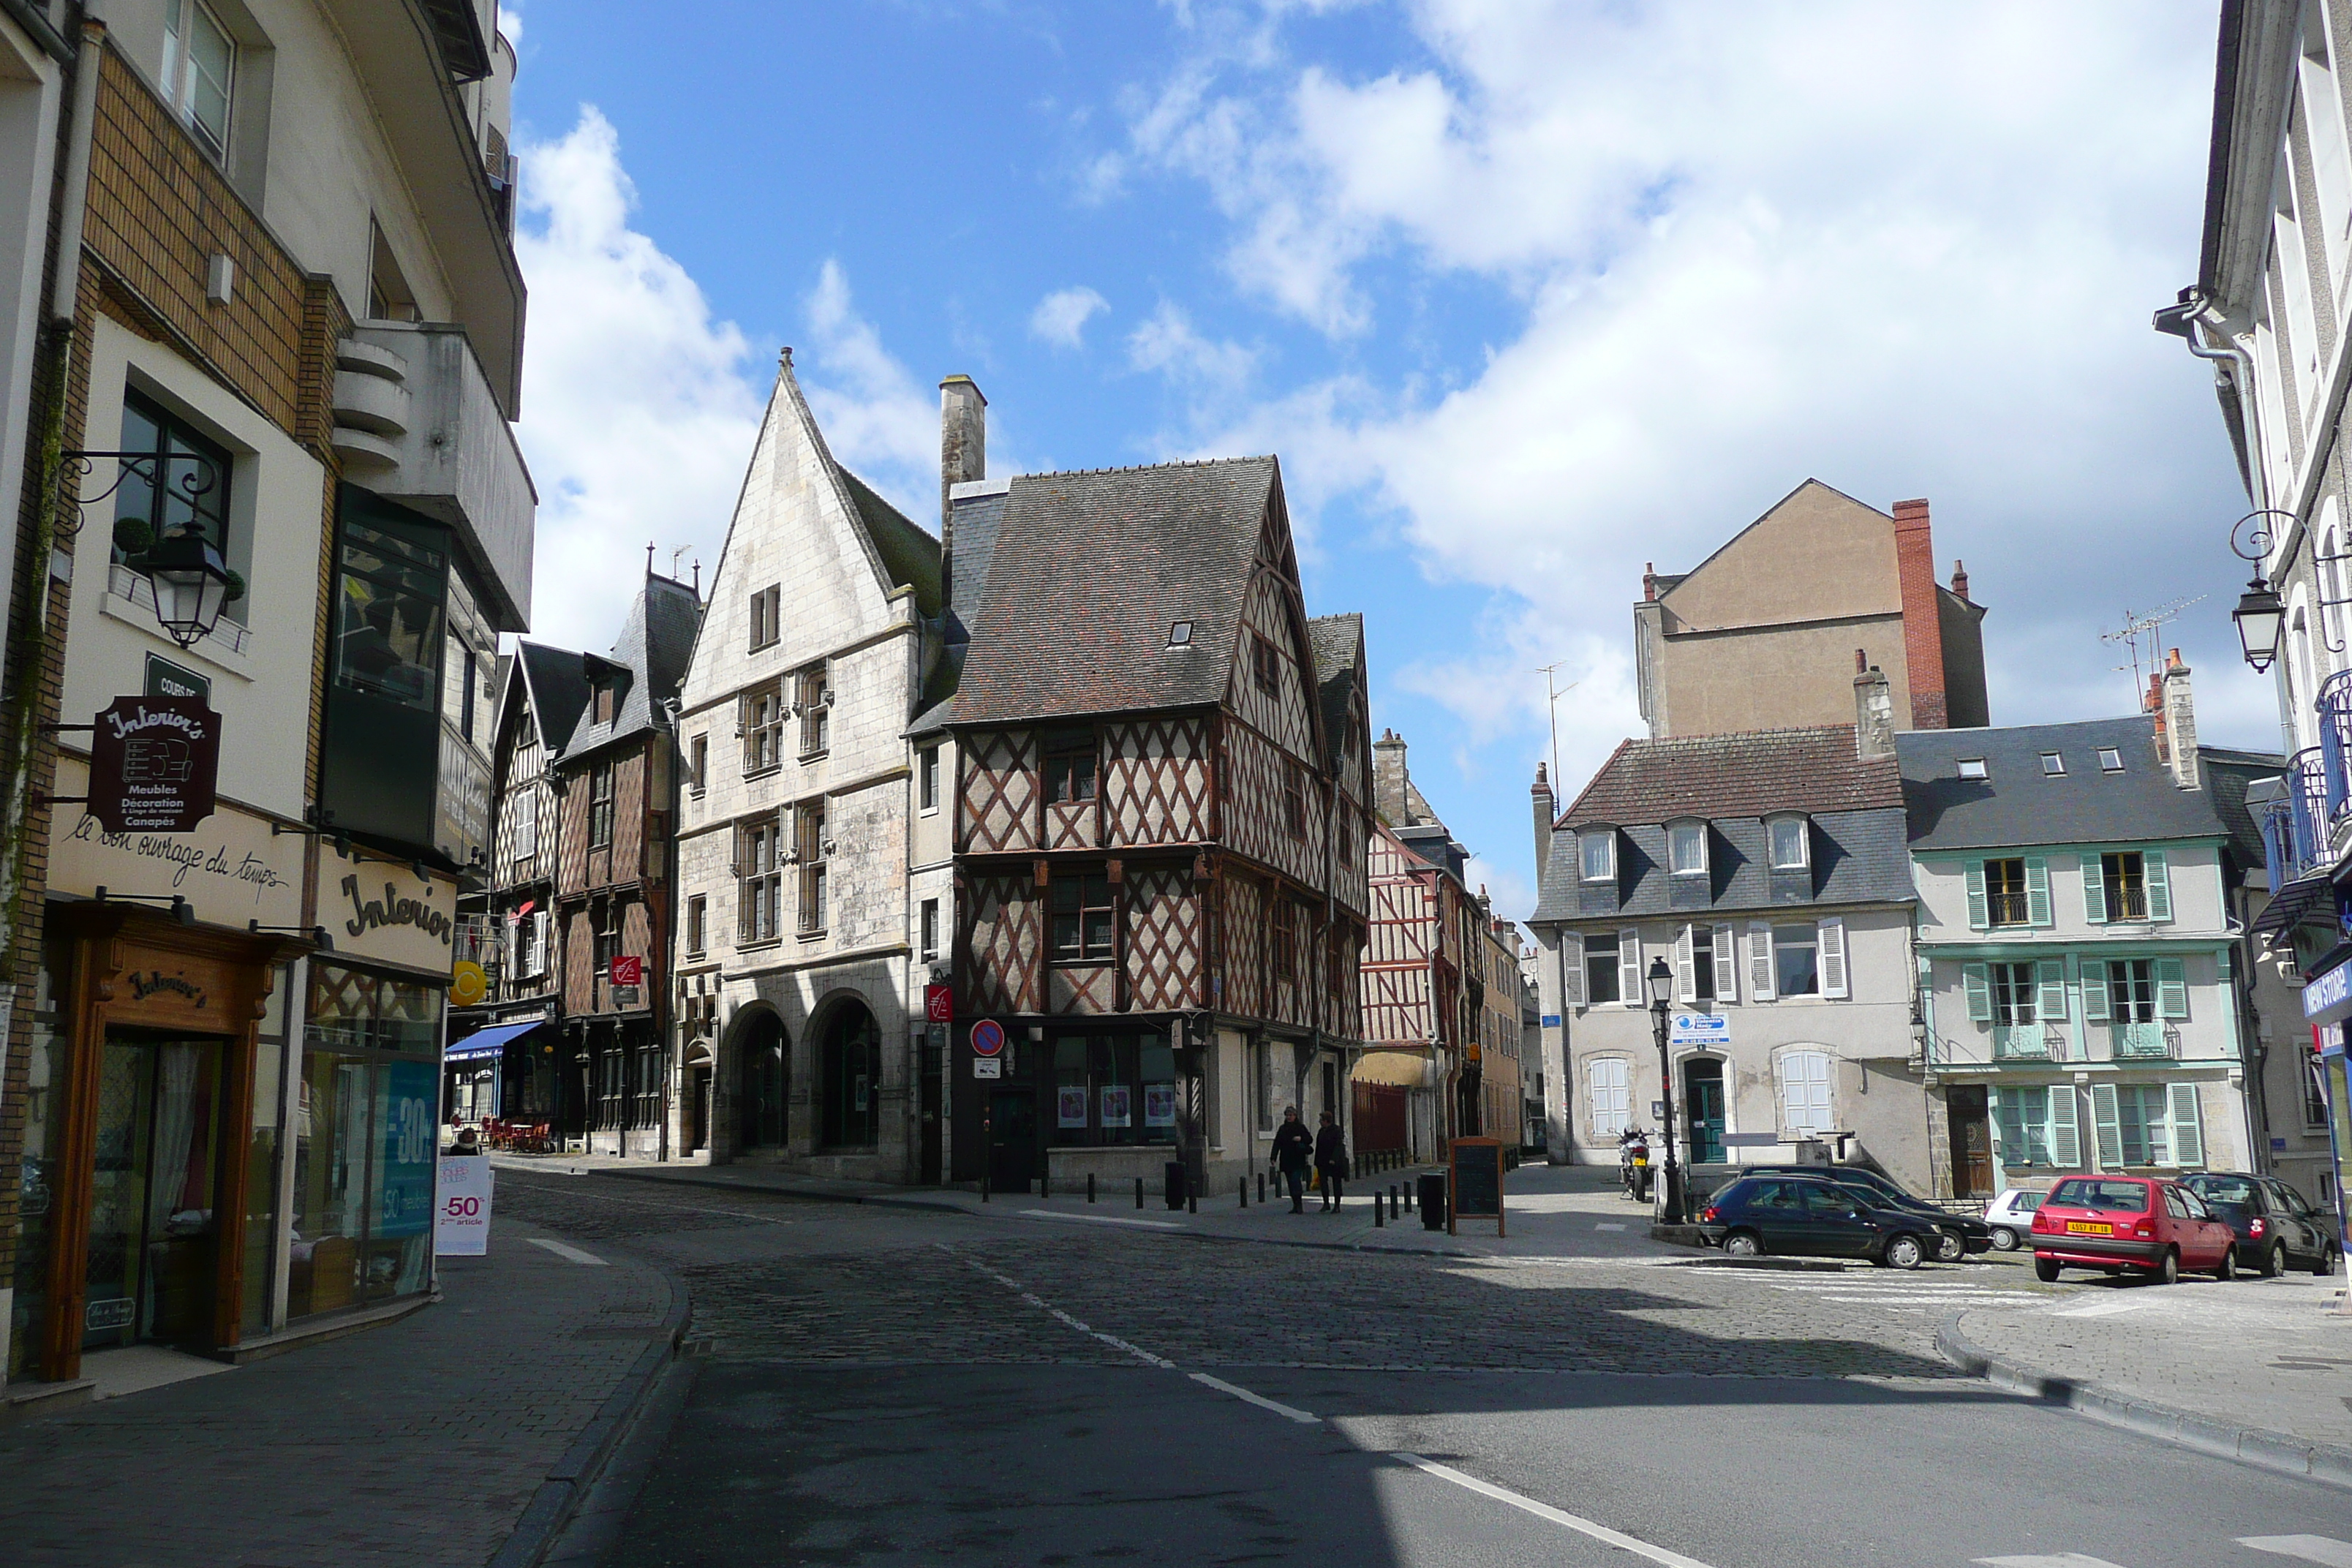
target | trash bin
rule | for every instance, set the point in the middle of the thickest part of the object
(1432, 1198)
(1173, 1179)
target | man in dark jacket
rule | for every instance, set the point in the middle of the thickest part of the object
(1293, 1144)
(1331, 1159)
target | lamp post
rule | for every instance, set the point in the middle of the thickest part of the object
(2259, 615)
(1662, 982)
(189, 582)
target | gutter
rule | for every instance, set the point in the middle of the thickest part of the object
(52, 42)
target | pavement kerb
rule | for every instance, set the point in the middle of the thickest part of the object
(2325, 1463)
(571, 1478)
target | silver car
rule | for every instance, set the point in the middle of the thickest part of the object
(2012, 1218)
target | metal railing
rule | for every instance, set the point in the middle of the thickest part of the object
(2020, 1042)
(2130, 1040)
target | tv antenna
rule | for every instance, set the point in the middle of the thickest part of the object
(1551, 709)
(2146, 626)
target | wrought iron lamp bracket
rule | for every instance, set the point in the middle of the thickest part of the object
(151, 467)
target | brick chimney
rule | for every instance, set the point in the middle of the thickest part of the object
(2177, 717)
(1959, 578)
(1923, 622)
(964, 458)
(1540, 803)
(1649, 580)
(1873, 714)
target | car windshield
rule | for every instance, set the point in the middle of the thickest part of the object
(2086, 1193)
(2222, 1189)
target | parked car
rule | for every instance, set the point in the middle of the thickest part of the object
(2011, 1217)
(2273, 1226)
(1806, 1217)
(1956, 1235)
(2129, 1224)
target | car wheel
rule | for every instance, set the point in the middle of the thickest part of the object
(2326, 1264)
(1905, 1252)
(2274, 1261)
(2168, 1269)
(2227, 1269)
(1742, 1244)
(2046, 1270)
(2004, 1240)
(1949, 1248)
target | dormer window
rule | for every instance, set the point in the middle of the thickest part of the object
(1596, 848)
(2053, 765)
(1687, 847)
(1180, 634)
(2111, 760)
(1792, 848)
(1973, 770)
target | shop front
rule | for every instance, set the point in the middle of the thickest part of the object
(1114, 1102)
(2326, 1007)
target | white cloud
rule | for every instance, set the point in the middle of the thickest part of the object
(1169, 343)
(877, 418)
(639, 408)
(1061, 317)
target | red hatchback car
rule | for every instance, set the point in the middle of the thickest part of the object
(2136, 1222)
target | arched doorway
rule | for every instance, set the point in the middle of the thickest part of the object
(765, 1124)
(849, 1079)
(1702, 1105)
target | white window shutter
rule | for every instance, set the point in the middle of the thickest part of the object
(2094, 889)
(1572, 970)
(2188, 1133)
(2050, 988)
(2037, 891)
(1628, 968)
(1760, 962)
(1978, 982)
(2156, 877)
(1978, 918)
(1726, 964)
(2094, 990)
(2171, 988)
(1685, 982)
(2065, 1135)
(2107, 1126)
(1831, 934)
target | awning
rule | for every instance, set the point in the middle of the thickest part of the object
(1397, 1070)
(490, 1041)
(2291, 903)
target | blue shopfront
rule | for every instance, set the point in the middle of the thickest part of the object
(2326, 1004)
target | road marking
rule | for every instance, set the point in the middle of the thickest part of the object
(2101, 1308)
(1260, 1400)
(2324, 1549)
(2057, 1559)
(1600, 1533)
(1606, 1225)
(1138, 1352)
(562, 1250)
(1101, 1219)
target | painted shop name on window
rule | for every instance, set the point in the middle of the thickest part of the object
(393, 910)
(219, 860)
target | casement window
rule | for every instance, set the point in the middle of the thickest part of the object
(1596, 966)
(1070, 765)
(815, 699)
(1705, 965)
(1285, 943)
(2129, 885)
(1596, 849)
(697, 924)
(185, 488)
(927, 779)
(762, 723)
(1266, 665)
(531, 943)
(199, 72)
(1792, 843)
(600, 805)
(809, 841)
(2148, 1124)
(766, 618)
(758, 879)
(1796, 960)
(1804, 1078)
(1687, 847)
(2016, 993)
(1083, 922)
(2314, 1093)
(2009, 893)
(647, 1063)
(2035, 1126)
(604, 943)
(928, 929)
(603, 701)
(700, 765)
(523, 813)
(2135, 990)
(1294, 800)
(1611, 1096)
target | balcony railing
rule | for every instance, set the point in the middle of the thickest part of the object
(2130, 1040)
(2334, 708)
(2008, 907)
(2020, 1042)
(2307, 793)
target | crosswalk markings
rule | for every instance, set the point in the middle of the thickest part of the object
(2101, 1308)
(1606, 1225)
(2053, 1559)
(2320, 1549)
(571, 1253)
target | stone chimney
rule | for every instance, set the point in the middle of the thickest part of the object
(1959, 578)
(2177, 717)
(964, 458)
(1541, 804)
(1874, 713)
(1922, 620)
(1390, 777)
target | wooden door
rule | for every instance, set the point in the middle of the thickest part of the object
(1971, 1142)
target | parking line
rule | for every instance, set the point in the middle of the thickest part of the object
(573, 1253)
(1260, 1400)
(1101, 1219)
(2054, 1560)
(1600, 1532)
(1605, 1225)
(2320, 1549)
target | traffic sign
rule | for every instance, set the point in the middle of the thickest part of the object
(987, 1066)
(987, 1038)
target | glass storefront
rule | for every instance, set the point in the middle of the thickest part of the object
(1111, 1090)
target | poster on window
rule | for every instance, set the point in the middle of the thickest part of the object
(1115, 1112)
(1160, 1105)
(411, 1148)
(1072, 1106)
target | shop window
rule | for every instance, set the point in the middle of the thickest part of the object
(1113, 1090)
(849, 1080)
(646, 1115)
(1083, 922)
(608, 1070)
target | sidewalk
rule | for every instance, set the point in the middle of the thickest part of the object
(2258, 1370)
(427, 1441)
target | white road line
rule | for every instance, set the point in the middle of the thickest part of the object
(1101, 1219)
(2102, 1309)
(573, 1253)
(1604, 1225)
(1138, 1352)
(1260, 1400)
(2324, 1549)
(1600, 1532)
(2056, 1560)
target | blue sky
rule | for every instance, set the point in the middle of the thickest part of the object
(1523, 296)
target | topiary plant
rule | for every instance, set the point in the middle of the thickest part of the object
(133, 536)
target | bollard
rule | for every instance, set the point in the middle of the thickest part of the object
(1260, 1186)
(1377, 1221)
(1245, 1192)
(1090, 1186)
(1192, 1201)
(1408, 1198)
(1138, 1192)
(1045, 1182)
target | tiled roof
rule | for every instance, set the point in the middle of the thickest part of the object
(653, 649)
(2226, 774)
(1337, 643)
(2017, 804)
(1089, 572)
(1752, 774)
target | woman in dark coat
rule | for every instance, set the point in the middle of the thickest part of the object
(1331, 1159)
(1293, 1144)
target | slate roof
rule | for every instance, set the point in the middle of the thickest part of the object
(1089, 571)
(651, 654)
(1752, 774)
(910, 555)
(559, 691)
(2227, 775)
(2017, 805)
(1337, 643)
(1858, 858)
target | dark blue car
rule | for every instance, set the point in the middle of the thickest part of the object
(1806, 1216)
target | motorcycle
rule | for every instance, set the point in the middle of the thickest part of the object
(1634, 1163)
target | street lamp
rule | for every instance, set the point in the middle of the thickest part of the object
(191, 584)
(1661, 982)
(2260, 618)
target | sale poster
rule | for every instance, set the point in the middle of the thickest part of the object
(1072, 1106)
(1160, 1105)
(1115, 1106)
(461, 1212)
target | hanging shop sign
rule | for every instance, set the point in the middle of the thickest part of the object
(154, 764)
(628, 969)
(938, 1004)
(467, 983)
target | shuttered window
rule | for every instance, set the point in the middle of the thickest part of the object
(1805, 1091)
(1612, 1095)
(1831, 936)
(1629, 969)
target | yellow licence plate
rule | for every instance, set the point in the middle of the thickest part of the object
(2088, 1228)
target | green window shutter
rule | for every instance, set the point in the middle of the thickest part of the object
(2095, 889)
(1979, 989)
(2107, 1126)
(2050, 1006)
(2159, 877)
(2188, 1136)
(2065, 1136)
(1978, 919)
(2037, 891)
(2094, 990)
(2171, 989)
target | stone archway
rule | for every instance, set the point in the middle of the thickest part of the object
(764, 1083)
(849, 1078)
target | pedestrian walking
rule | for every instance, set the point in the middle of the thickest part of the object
(1331, 1159)
(1293, 1147)
(468, 1143)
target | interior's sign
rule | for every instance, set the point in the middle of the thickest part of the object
(381, 908)
(153, 765)
(231, 868)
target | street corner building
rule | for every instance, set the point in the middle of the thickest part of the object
(1162, 807)
(261, 327)
(1767, 870)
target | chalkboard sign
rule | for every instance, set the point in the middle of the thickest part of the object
(1476, 1182)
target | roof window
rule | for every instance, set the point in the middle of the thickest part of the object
(2053, 765)
(1180, 634)
(2111, 760)
(1687, 847)
(1973, 768)
(1597, 847)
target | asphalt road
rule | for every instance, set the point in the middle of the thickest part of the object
(871, 1386)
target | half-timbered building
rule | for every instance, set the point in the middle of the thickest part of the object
(1159, 839)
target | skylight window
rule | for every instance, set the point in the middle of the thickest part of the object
(2053, 765)
(2111, 760)
(1180, 634)
(1973, 768)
